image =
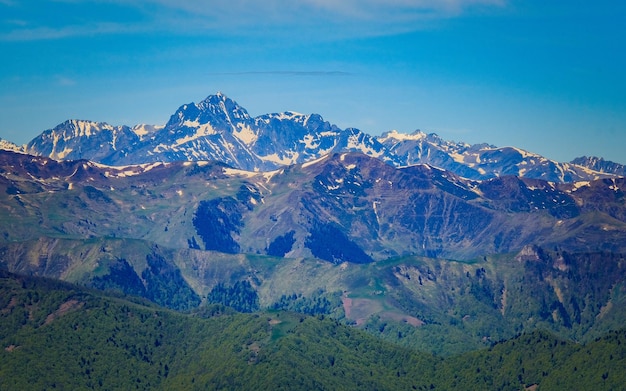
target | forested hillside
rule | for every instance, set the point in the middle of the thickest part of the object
(56, 335)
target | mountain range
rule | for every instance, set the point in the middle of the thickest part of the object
(431, 244)
(342, 207)
(218, 129)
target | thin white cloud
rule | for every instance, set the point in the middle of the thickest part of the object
(287, 73)
(312, 19)
(65, 81)
(50, 33)
(375, 9)
(315, 18)
(286, 6)
(308, 11)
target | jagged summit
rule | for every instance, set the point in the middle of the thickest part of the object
(217, 108)
(601, 165)
(218, 128)
(80, 139)
(9, 146)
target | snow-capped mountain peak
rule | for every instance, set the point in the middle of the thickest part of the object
(9, 146)
(218, 129)
(601, 165)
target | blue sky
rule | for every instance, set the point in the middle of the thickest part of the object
(549, 77)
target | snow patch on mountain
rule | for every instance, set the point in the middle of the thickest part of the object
(203, 130)
(62, 154)
(310, 142)
(315, 161)
(144, 130)
(292, 116)
(239, 173)
(246, 134)
(394, 134)
(284, 160)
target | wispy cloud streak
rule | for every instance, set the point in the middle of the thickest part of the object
(247, 16)
(286, 73)
(51, 33)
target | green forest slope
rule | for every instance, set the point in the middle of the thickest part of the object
(55, 335)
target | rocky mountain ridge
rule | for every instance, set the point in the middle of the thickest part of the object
(218, 129)
(343, 207)
(9, 146)
(599, 164)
